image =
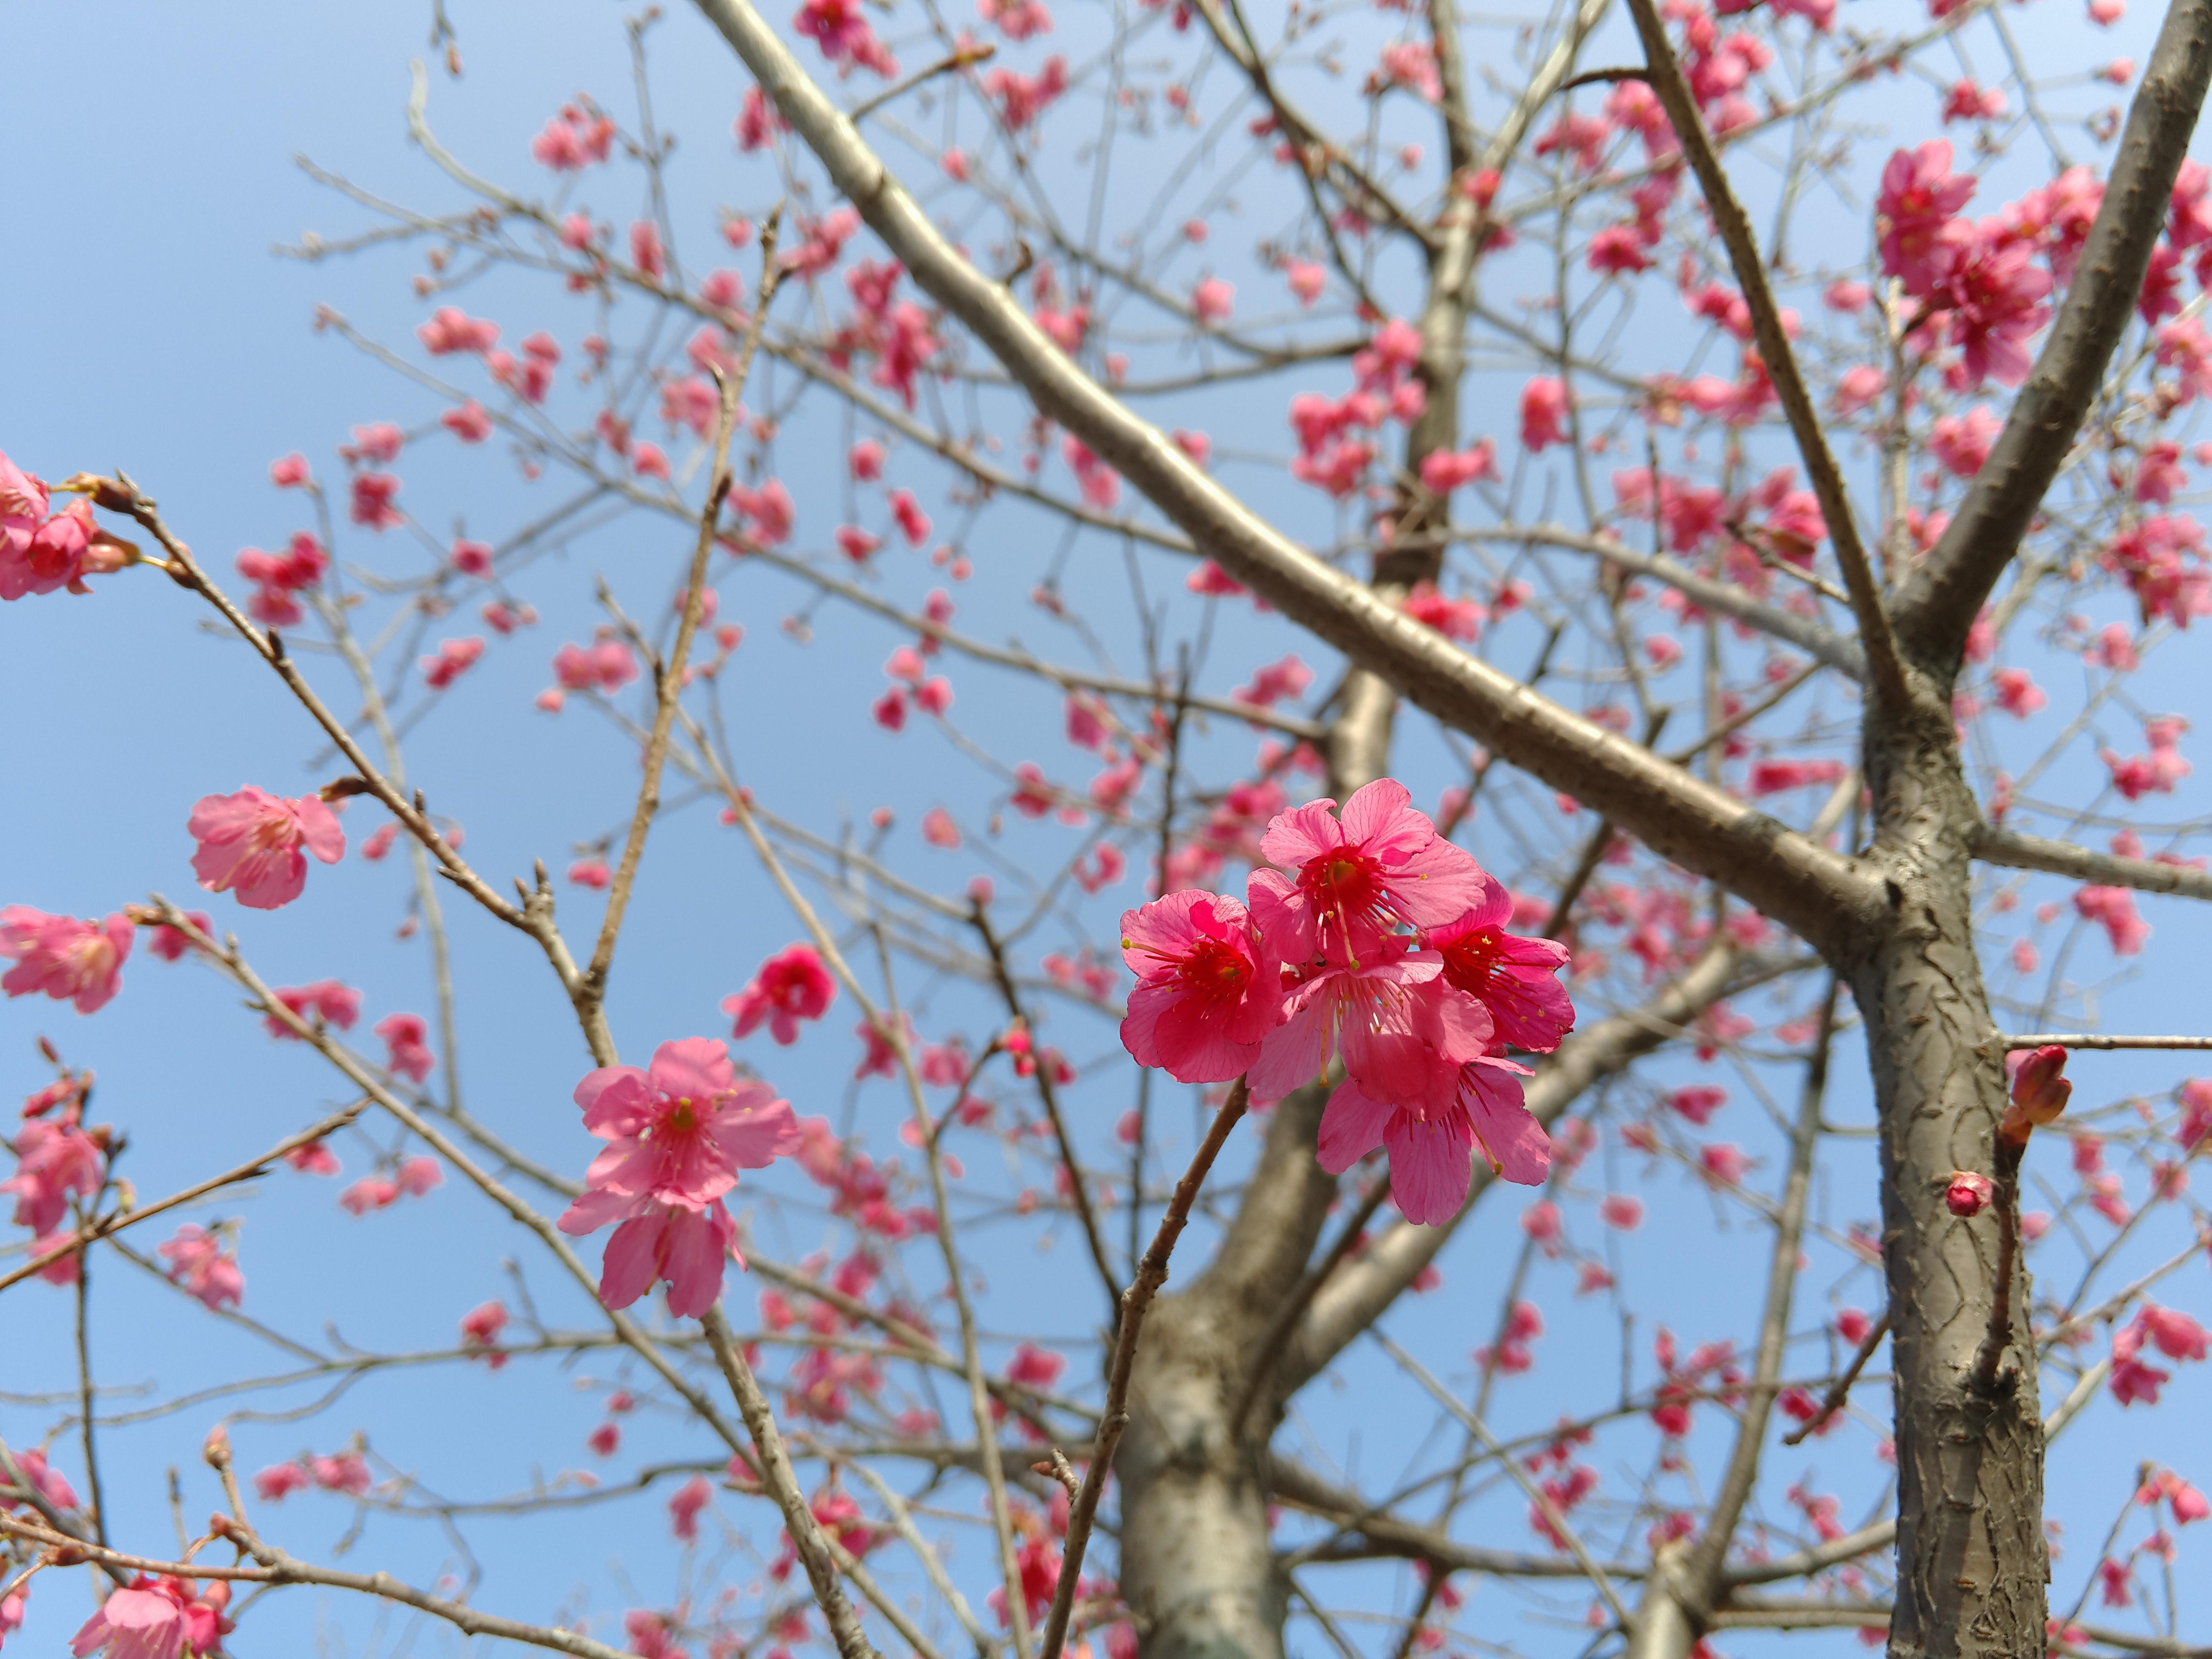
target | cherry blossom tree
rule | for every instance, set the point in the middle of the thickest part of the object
(1570, 559)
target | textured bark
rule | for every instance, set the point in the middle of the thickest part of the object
(1972, 1560)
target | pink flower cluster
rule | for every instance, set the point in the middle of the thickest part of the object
(56, 1160)
(278, 576)
(1976, 282)
(41, 550)
(679, 1133)
(157, 1619)
(2173, 1333)
(791, 986)
(1372, 941)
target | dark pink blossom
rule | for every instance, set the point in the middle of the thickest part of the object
(1515, 977)
(1208, 986)
(408, 1051)
(791, 986)
(1355, 878)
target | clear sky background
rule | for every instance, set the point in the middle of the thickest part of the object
(148, 327)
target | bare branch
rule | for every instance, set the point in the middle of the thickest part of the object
(1811, 889)
(2014, 851)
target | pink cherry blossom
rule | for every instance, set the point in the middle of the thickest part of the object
(1920, 197)
(253, 843)
(454, 658)
(1354, 878)
(405, 1037)
(156, 1618)
(71, 961)
(480, 1329)
(1211, 301)
(684, 1509)
(1515, 977)
(791, 986)
(325, 1002)
(683, 1246)
(279, 1481)
(55, 1161)
(452, 329)
(1208, 986)
(679, 1133)
(1432, 1145)
(290, 472)
(198, 1262)
(1543, 414)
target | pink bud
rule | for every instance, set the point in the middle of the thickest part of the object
(1969, 1193)
(2039, 1087)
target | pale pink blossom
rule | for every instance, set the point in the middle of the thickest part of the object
(325, 1002)
(198, 1262)
(253, 843)
(1211, 301)
(679, 1133)
(156, 1619)
(55, 1161)
(480, 1329)
(71, 961)
(791, 986)
(684, 1509)
(1208, 986)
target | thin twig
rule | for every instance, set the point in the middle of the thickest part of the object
(1151, 1273)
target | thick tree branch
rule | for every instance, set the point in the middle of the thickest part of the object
(1804, 885)
(2058, 857)
(1939, 604)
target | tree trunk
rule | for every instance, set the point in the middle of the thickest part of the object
(1972, 1560)
(1197, 1564)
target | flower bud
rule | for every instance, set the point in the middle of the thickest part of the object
(216, 1448)
(2039, 1087)
(1968, 1194)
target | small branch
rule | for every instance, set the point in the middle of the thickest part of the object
(1049, 1093)
(1536, 1494)
(966, 57)
(1834, 1402)
(807, 1537)
(117, 1221)
(273, 1567)
(669, 677)
(2094, 1040)
(2014, 851)
(1885, 669)
(1151, 1273)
